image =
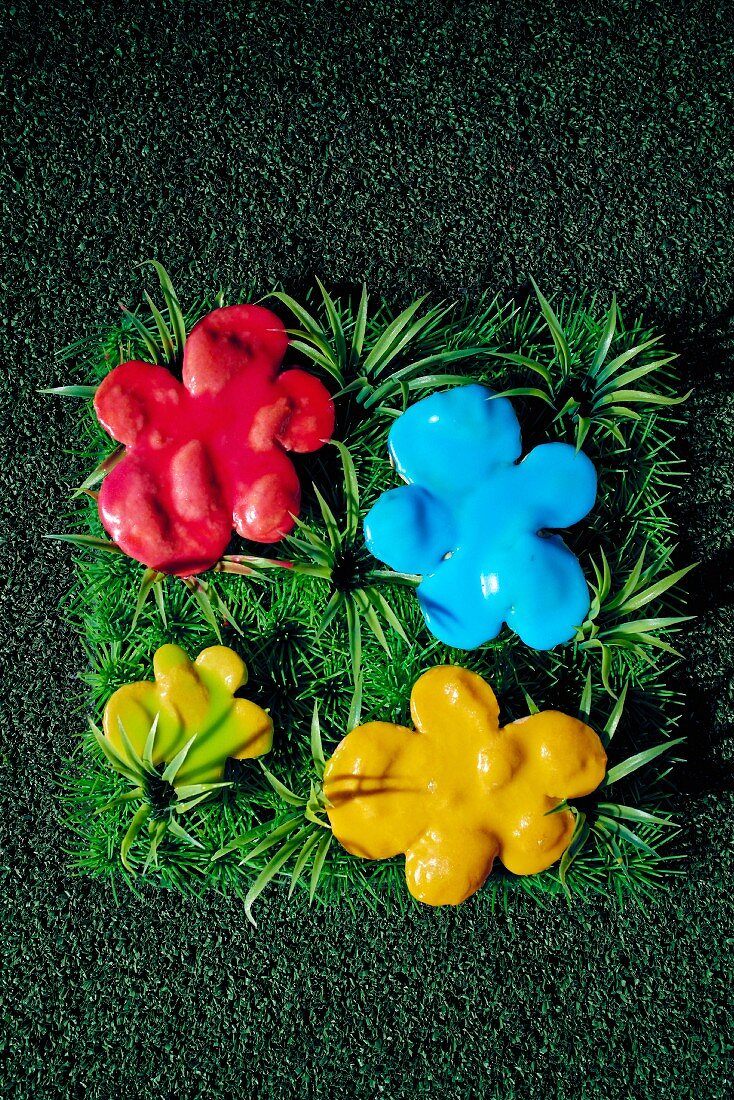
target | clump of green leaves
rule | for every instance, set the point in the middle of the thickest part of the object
(339, 558)
(614, 620)
(603, 393)
(302, 837)
(379, 357)
(161, 803)
(617, 829)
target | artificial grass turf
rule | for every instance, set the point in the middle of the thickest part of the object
(302, 656)
(419, 146)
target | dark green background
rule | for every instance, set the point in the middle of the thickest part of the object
(419, 146)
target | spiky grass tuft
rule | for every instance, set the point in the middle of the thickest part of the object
(328, 635)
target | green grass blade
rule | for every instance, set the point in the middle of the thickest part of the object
(332, 607)
(200, 597)
(355, 707)
(431, 382)
(158, 597)
(181, 834)
(284, 829)
(613, 429)
(605, 342)
(268, 873)
(422, 325)
(108, 463)
(144, 333)
(189, 790)
(634, 603)
(585, 705)
(308, 532)
(302, 860)
(118, 762)
(606, 669)
(641, 397)
(283, 792)
(615, 717)
(332, 527)
(150, 577)
(389, 576)
(312, 550)
(634, 763)
(128, 796)
(623, 411)
(340, 344)
(309, 349)
(525, 391)
(382, 349)
(157, 831)
(630, 584)
(360, 326)
(317, 748)
(606, 583)
(530, 702)
(634, 642)
(389, 385)
(175, 313)
(141, 816)
(370, 616)
(91, 542)
(306, 319)
(314, 343)
(351, 489)
(304, 570)
(318, 864)
(578, 840)
(380, 603)
(525, 361)
(354, 631)
(315, 806)
(560, 808)
(85, 392)
(225, 612)
(277, 834)
(631, 376)
(583, 425)
(624, 358)
(556, 331)
(632, 813)
(624, 833)
(171, 770)
(641, 626)
(183, 807)
(131, 753)
(148, 747)
(165, 336)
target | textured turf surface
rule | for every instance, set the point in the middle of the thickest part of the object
(425, 146)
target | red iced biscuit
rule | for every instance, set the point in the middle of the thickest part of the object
(208, 454)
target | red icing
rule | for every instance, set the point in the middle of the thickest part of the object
(208, 454)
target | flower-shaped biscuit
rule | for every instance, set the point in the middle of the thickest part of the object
(473, 521)
(192, 700)
(458, 791)
(209, 453)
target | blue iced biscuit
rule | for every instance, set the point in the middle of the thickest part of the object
(475, 522)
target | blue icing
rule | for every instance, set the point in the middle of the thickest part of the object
(468, 521)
